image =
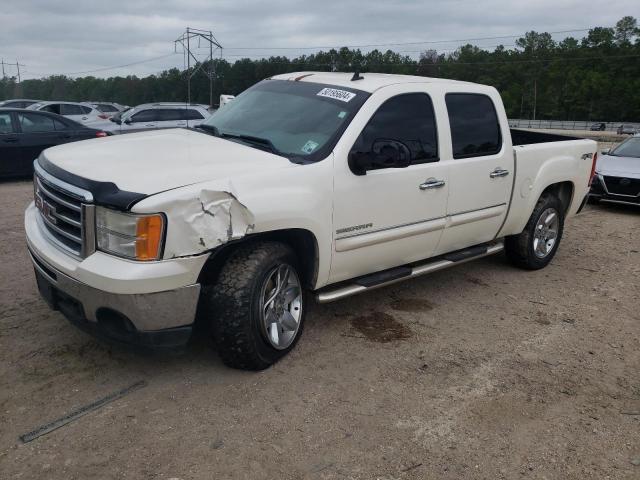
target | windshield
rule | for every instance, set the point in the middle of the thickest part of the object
(628, 148)
(299, 120)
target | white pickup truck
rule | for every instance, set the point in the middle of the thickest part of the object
(307, 184)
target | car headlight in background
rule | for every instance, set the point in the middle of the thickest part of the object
(135, 236)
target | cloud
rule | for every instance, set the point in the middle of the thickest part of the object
(66, 36)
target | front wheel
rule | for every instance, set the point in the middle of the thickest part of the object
(256, 307)
(537, 244)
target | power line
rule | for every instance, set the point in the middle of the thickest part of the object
(113, 67)
(402, 43)
(455, 63)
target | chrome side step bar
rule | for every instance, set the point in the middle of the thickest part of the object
(353, 287)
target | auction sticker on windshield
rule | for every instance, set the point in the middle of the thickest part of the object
(336, 94)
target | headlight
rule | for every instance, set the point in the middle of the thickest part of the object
(129, 235)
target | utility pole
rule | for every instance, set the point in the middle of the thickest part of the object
(535, 96)
(186, 40)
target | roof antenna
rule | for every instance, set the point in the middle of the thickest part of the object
(357, 76)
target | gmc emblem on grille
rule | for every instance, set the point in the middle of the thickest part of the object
(48, 211)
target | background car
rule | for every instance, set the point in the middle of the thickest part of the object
(154, 116)
(18, 103)
(617, 175)
(626, 130)
(598, 127)
(80, 112)
(25, 133)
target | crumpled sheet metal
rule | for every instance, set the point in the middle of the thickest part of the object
(207, 221)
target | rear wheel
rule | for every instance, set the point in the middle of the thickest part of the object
(256, 308)
(537, 244)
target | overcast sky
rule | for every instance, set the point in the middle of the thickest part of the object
(72, 36)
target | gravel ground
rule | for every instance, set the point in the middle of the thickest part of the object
(481, 371)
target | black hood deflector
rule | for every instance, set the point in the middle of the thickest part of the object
(104, 193)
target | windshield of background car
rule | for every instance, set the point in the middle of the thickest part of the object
(628, 148)
(302, 120)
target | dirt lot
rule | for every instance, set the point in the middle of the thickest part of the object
(482, 371)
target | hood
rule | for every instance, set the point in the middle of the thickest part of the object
(615, 166)
(160, 160)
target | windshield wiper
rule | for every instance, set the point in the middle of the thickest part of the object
(209, 128)
(259, 141)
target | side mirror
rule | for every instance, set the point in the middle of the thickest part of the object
(383, 154)
(127, 121)
(605, 151)
(116, 121)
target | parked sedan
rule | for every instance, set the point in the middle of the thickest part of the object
(617, 175)
(25, 133)
(79, 112)
(598, 127)
(18, 103)
(626, 130)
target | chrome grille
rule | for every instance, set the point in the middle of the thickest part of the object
(65, 216)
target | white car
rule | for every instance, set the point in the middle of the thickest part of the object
(79, 112)
(154, 116)
(309, 183)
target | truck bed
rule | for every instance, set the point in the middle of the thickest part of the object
(529, 137)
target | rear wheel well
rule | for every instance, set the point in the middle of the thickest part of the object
(564, 192)
(303, 243)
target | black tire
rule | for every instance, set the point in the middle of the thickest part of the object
(520, 248)
(232, 305)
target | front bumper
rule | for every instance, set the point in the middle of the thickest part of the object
(113, 316)
(613, 191)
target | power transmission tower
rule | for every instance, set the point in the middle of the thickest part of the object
(187, 41)
(7, 64)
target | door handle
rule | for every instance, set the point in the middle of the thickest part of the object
(499, 172)
(11, 140)
(64, 136)
(150, 125)
(431, 183)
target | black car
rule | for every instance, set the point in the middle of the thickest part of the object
(598, 127)
(26, 133)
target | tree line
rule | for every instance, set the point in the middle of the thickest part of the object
(596, 77)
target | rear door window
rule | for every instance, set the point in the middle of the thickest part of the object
(192, 114)
(32, 123)
(52, 108)
(475, 130)
(60, 125)
(66, 109)
(5, 123)
(145, 116)
(170, 114)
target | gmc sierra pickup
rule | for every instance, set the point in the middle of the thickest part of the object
(307, 184)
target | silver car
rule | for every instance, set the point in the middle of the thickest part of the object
(617, 174)
(154, 116)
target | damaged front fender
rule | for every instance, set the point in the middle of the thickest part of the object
(204, 221)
